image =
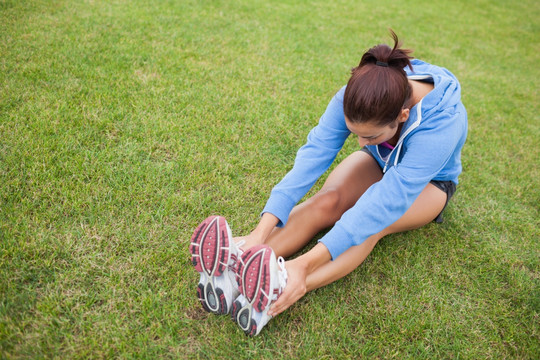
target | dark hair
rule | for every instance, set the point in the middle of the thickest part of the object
(378, 88)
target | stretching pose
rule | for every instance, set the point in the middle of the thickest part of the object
(411, 126)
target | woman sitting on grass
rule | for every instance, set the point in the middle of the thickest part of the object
(411, 126)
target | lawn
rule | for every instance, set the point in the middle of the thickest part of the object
(124, 123)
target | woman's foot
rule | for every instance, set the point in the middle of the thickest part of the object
(261, 279)
(214, 255)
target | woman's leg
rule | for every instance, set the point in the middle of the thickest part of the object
(343, 187)
(426, 208)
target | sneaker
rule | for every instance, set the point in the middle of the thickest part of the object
(261, 279)
(214, 255)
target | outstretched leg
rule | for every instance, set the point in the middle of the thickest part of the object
(426, 208)
(315, 268)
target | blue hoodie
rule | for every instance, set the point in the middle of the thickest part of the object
(429, 148)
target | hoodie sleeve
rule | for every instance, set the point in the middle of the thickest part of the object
(426, 153)
(312, 160)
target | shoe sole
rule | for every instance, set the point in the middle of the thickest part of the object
(210, 254)
(254, 283)
(242, 316)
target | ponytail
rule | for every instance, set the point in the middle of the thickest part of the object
(378, 88)
(393, 57)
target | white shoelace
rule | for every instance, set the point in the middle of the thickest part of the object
(234, 265)
(282, 273)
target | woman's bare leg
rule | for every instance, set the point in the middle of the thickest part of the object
(426, 208)
(343, 187)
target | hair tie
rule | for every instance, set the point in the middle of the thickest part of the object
(381, 63)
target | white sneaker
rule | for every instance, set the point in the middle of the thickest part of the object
(261, 280)
(214, 255)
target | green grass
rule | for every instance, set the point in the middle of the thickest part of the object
(124, 123)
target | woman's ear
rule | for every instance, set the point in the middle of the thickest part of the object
(403, 115)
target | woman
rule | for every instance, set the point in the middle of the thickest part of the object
(411, 125)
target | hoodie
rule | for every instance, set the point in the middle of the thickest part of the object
(429, 148)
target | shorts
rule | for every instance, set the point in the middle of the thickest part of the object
(448, 187)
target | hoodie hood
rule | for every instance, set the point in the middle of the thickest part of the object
(446, 92)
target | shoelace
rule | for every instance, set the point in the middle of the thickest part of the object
(234, 259)
(282, 278)
(282, 275)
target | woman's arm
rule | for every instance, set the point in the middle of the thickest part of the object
(323, 143)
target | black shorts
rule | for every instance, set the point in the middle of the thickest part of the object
(448, 187)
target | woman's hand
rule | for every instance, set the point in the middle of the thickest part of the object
(297, 272)
(295, 289)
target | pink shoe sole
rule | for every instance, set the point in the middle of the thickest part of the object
(254, 276)
(210, 254)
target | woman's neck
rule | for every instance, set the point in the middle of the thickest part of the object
(393, 141)
(419, 90)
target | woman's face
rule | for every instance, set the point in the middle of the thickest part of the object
(369, 133)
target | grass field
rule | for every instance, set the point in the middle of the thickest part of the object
(125, 123)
